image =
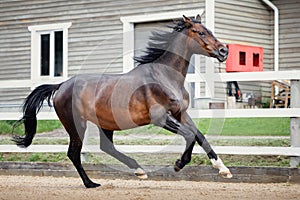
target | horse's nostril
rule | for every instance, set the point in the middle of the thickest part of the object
(223, 51)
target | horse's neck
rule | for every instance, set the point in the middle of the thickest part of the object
(176, 61)
(177, 55)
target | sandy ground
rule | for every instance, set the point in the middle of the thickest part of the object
(27, 187)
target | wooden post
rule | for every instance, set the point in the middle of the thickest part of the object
(84, 157)
(295, 121)
(209, 62)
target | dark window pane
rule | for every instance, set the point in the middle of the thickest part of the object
(242, 58)
(45, 54)
(191, 69)
(58, 70)
(192, 94)
(256, 60)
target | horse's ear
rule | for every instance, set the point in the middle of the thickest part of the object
(188, 22)
(198, 18)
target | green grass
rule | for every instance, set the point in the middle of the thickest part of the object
(257, 126)
(161, 141)
(150, 159)
(48, 125)
(230, 127)
(251, 142)
(169, 159)
(149, 129)
(34, 157)
(7, 126)
(245, 126)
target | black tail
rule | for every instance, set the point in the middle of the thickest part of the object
(31, 107)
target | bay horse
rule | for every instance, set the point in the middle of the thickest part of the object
(151, 93)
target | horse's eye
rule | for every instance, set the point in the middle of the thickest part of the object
(201, 33)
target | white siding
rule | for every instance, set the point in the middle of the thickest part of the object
(95, 37)
(247, 22)
(289, 34)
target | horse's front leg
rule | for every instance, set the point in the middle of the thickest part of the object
(188, 130)
(173, 125)
(214, 158)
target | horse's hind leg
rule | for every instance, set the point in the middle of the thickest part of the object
(74, 151)
(76, 129)
(106, 145)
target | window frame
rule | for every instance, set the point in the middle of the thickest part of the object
(36, 32)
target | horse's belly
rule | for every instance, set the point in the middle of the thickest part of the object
(121, 121)
(120, 118)
(119, 108)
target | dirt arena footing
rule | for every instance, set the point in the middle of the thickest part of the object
(193, 173)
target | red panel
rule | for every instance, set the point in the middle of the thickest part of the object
(244, 58)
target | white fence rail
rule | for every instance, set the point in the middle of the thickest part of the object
(233, 150)
(194, 113)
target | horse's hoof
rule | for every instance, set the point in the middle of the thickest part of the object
(178, 166)
(140, 173)
(92, 185)
(225, 174)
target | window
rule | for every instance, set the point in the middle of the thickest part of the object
(255, 59)
(242, 58)
(58, 64)
(45, 55)
(49, 51)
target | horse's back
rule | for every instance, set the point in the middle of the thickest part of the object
(115, 101)
(106, 100)
(81, 91)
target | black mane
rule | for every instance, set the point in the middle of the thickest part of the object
(159, 42)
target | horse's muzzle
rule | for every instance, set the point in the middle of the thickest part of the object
(222, 54)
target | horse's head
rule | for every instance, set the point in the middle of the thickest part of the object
(202, 41)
